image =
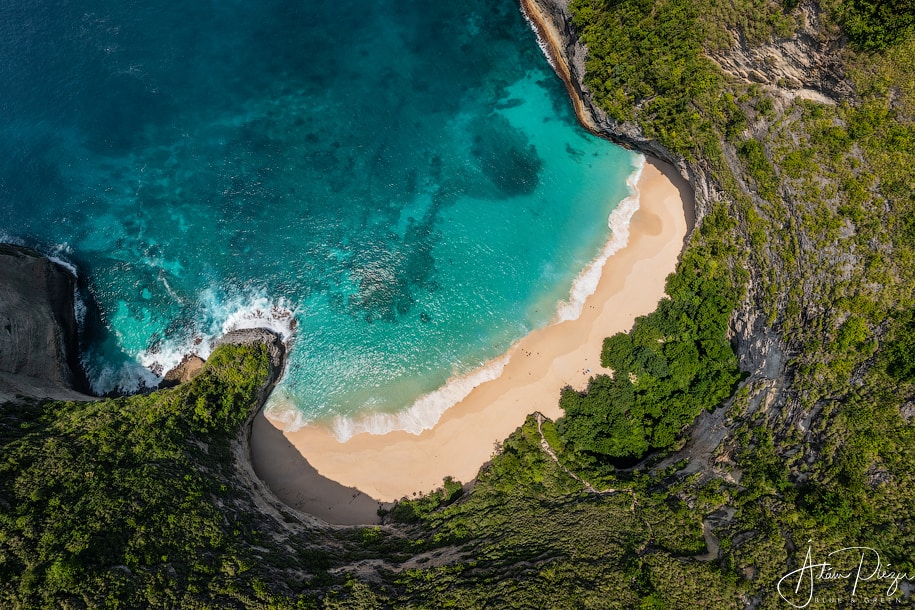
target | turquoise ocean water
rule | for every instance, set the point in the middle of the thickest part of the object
(400, 187)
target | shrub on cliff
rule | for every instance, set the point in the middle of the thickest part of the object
(120, 501)
(674, 363)
(876, 24)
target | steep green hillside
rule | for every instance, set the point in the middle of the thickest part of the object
(788, 336)
(804, 261)
(136, 502)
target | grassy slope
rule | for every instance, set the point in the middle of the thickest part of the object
(819, 209)
(106, 500)
(816, 231)
(134, 502)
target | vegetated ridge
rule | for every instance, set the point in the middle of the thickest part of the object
(788, 338)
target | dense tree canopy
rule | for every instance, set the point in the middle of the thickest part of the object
(877, 24)
(672, 365)
(118, 501)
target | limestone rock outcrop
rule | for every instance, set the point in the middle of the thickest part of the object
(39, 341)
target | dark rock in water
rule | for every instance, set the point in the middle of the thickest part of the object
(192, 364)
(505, 156)
(39, 342)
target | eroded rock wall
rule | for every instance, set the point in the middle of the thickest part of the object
(39, 341)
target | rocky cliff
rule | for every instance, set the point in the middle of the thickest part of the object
(807, 64)
(804, 65)
(39, 342)
(552, 19)
(277, 518)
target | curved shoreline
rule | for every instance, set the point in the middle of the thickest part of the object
(427, 409)
(387, 467)
(327, 498)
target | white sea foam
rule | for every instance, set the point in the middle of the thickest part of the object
(282, 408)
(79, 309)
(65, 264)
(425, 412)
(168, 288)
(169, 355)
(59, 253)
(543, 44)
(586, 283)
(55, 253)
(261, 312)
(128, 377)
(218, 317)
(6, 238)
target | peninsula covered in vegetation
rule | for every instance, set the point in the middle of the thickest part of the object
(760, 417)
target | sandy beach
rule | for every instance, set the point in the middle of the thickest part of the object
(344, 483)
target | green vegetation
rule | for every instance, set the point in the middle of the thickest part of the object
(900, 352)
(530, 536)
(876, 24)
(753, 155)
(804, 259)
(123, 502)
(821, 202)
(815, 230)
(412, 511)
(675, 363)
(642, 55)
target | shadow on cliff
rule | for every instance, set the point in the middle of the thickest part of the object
(298, 485)
(686, 192)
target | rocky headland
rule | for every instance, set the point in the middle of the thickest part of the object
(39, 334)
(808, 64)
(40, 349)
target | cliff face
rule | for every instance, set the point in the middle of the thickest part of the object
(807, 64)
(39, 343)
(808, 68)
(553, 21)
(257, 498)
(760, 350)
(39, 354)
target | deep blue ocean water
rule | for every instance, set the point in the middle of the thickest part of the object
(404, 183)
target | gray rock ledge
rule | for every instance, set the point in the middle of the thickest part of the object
(39, 340)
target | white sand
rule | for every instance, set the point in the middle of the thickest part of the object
(388, 467)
